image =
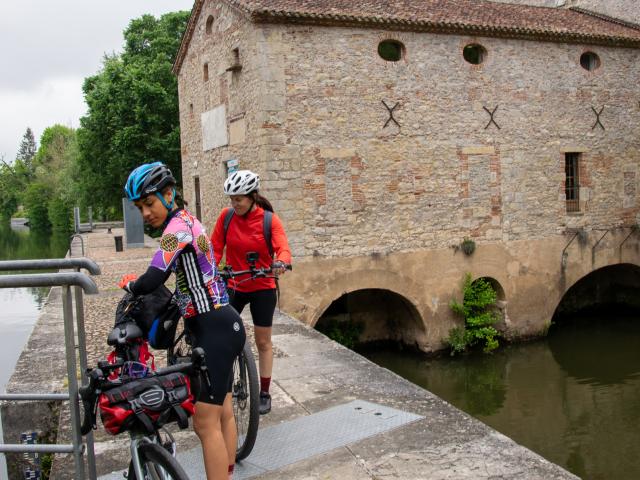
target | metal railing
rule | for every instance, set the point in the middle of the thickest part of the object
(80, 282)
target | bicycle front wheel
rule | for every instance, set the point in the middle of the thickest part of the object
(246, 401)
(157, 464)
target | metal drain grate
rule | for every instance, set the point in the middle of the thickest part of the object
(304, 437)
(307, 436)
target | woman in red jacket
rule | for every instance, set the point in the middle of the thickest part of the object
(245, 234)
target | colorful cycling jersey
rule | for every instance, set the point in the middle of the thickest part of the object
(186, 250)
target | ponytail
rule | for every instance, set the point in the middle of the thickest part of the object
(261, 201)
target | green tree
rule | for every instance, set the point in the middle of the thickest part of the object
(50, 196)
(132, 111)
(10, 190)
(478, 298)
(26, 151)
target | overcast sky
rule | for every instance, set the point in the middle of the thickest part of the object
(48, 48)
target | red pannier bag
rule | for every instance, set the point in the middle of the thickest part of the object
(147, 403)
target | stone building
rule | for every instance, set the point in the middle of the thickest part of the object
(388, 132)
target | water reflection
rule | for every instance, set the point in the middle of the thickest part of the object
(606, 355)
(20, 306)
(574, 398)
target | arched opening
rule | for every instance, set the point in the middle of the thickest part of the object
(500, 308)
(615, 288)
(369, 316)
(595, 332)
(209, 24)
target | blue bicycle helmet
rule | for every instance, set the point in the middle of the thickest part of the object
(148, 179)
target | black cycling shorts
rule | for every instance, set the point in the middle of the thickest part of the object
(221, 335)
(262, 304)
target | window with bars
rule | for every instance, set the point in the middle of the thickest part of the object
(572, 181)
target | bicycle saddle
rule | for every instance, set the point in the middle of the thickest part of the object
(124, 333)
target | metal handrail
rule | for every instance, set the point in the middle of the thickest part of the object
(49, 280)
(66, 280)
(34, 396)
(50, 264)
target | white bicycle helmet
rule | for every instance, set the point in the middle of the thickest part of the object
(241, 182)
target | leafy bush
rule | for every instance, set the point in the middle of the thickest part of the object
(478, 298)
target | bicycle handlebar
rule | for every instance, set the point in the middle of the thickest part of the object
(99, 381)
(256, 272)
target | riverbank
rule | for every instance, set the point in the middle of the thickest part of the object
(311, 375)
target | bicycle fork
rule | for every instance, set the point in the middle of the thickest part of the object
(136, 441)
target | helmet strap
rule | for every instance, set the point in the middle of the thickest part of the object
(168, 206)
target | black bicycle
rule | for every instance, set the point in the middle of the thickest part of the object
(135, 399)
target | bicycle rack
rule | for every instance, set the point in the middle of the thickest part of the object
(81, 282)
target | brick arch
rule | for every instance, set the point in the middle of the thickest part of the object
(365, 280)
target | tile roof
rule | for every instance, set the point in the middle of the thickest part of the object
(470, 17)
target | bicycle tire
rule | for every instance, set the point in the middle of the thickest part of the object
(246, 401)
(153, 456)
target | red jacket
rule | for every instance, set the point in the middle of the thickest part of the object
(245, 234)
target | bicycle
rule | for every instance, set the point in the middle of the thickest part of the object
(245, 371)
(155, 398)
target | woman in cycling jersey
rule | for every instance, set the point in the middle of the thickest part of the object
(185, 249)
(245, 234)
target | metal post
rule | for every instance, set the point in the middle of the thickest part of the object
(82, 349)
(76, 219)
(90, 213)
(74, 405)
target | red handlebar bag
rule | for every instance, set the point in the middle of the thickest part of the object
(147, 403)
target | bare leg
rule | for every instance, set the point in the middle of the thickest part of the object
(229, 429)
(265, 350)
(207, 425)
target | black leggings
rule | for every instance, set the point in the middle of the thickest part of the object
(221, 335)
(262, 304)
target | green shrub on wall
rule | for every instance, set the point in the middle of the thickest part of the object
(478, 298)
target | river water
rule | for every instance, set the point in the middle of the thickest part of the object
(20, 307)
(573, 397)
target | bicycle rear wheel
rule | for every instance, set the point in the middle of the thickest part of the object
(246, 401)
(157, 464)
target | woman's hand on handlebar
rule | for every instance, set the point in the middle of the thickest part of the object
(279, 267)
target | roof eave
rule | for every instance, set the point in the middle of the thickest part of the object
(271, 16)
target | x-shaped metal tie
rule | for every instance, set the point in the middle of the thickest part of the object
(491, 120)
(598, 122)
(390, 110)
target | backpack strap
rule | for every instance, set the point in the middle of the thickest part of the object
(227, 220)
(266, 231)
